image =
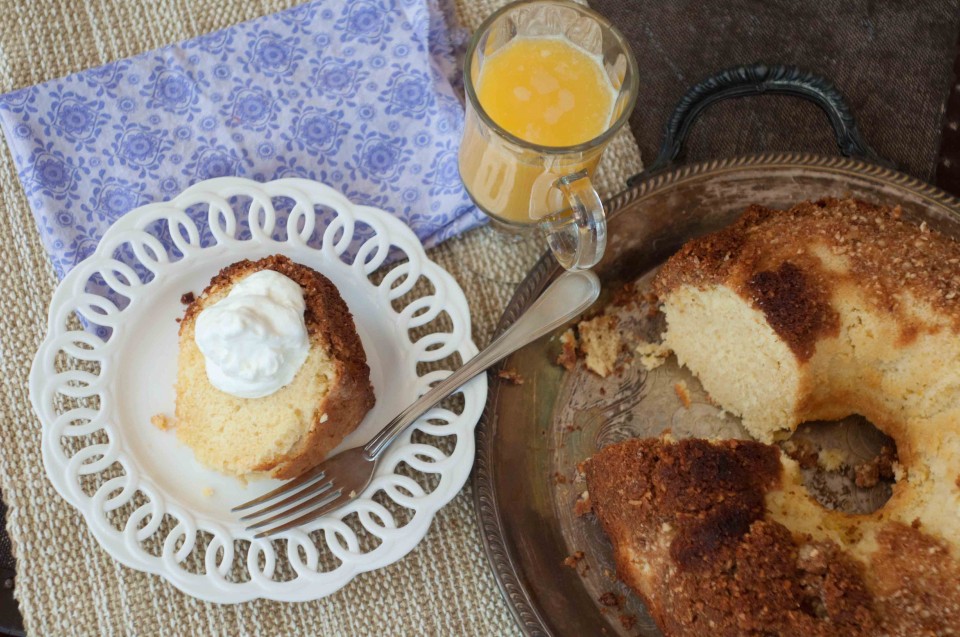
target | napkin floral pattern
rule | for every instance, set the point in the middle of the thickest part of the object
(360, 94)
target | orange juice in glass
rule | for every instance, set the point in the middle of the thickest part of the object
(548, 83)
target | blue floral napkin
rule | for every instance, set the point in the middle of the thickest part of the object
(359, 94)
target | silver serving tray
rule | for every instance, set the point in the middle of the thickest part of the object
(532, 435)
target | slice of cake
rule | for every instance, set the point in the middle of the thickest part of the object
(272, 374)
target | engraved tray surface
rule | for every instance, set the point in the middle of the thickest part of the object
(532, 435)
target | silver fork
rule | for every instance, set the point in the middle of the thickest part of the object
(343, 477)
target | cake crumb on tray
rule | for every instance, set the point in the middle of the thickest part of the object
(582, 506)
(831, 460)
(512, 376)
(571, 561)
(652, 355)
(600, 343)
(568, 352)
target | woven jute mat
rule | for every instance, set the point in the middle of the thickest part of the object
(67, 584)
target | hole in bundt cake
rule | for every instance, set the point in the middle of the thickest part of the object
(847, 464)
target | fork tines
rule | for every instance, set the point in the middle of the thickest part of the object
(307, 495)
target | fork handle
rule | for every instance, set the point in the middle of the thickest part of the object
(568, 296)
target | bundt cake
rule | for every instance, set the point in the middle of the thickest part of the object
(237, 430)
(831, 308)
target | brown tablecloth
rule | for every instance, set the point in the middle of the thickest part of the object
(66, 584)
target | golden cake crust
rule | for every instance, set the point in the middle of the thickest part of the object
(330, 327)
(776, 260)
(692, 535)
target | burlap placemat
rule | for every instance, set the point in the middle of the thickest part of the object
(66, 584)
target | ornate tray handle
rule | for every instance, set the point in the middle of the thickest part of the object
(758, 79)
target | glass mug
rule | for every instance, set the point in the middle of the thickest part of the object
(522, 185)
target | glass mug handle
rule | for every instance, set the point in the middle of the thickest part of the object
(578, 236)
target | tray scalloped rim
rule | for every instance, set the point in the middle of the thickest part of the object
(387, 237)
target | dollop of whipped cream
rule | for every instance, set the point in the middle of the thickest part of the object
(254, 340)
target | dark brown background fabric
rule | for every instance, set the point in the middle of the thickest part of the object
(948, 162)
(893, 60)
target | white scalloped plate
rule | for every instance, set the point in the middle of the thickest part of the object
(141, 492)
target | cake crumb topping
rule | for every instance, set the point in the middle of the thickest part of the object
(789, 263)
